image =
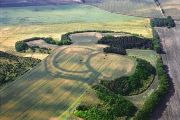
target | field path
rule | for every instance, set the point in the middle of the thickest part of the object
(170, 107)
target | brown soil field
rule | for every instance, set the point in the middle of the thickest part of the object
(170, 107)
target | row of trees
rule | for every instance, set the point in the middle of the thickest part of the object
(158, 95)
(12, 66)
(163, 22)
(131, 84)
(120, 44)
(156, 42)
(113, 106)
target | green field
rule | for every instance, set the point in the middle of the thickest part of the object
(59, 14)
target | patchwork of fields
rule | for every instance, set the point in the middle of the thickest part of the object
(52, 21)
(55, 85)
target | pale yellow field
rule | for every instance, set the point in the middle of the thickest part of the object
(11, 34)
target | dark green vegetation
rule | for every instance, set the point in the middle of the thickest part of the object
(154, 99)
(133, 84)
(21, 46)
(163, 22)
(119, 44)
(156, 42)
(13, 66)
(113, 106)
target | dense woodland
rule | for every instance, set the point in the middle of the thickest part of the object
(120, 44)
(113, 106)
(12, 66)
(163, 22)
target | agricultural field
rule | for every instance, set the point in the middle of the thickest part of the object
(50, 88)
(52, 21)
(171, 7)
(143, 8)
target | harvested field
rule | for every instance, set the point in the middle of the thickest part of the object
(86, 38)
(92, 37)
(171, 8)
(50, 88)
(41, 43)
(143, 8)
(169, 109)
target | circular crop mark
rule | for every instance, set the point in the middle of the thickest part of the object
(111, 66)
(73, 59)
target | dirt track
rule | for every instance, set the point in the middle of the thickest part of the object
(170, 108)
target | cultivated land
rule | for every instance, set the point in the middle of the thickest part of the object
(143, 8)
(171, 7)
(171, 43)
(56, 83)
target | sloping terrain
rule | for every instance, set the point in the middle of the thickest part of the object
(171, 43)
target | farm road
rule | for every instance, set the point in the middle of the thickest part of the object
(170, 108)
